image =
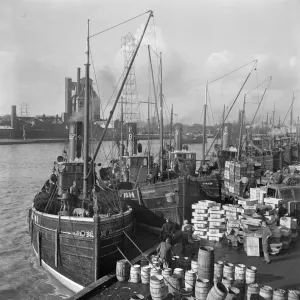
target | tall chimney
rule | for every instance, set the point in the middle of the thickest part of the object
(178, 137)
(226, 136)
(13, 119)
(68, 97)
(77, 90)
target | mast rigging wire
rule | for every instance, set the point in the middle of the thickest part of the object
(119, 24)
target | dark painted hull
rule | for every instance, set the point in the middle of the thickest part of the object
(173, 199)
(66, 245)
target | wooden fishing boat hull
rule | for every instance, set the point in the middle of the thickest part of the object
(173, 199)
(68, 249)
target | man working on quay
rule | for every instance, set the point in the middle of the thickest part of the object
(265, 241)
(168, 230)
(187, 231)
(164, 251)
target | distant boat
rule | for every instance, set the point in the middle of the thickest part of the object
(192, 139)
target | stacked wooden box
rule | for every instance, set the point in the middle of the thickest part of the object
(232, 214)
(255, 194)
(275, 241)
(216, 219)
(286, 223)
(200, 218)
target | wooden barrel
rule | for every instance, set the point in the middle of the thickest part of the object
(240, 272)
(266, 293)
(194, 265)
(157, 287)
(252, 291)
(145, 274)
(251, 274)
(218, 292)
(135, 274)
(219, 265)
(144, 261)
(202, 288)
(185, 294)
(233, 293)
(293, 295)
(279, 294)
(206, 257)
(184, 263)
(174, 286)
(227, 281)
(189, 280)
(122, 270)
(155, 271)
(241, 286)
(166, 273)
(228, 270)
(206, 273)
(179, 272)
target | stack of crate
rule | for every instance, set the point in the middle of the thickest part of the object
(287, 224)
(239, 172)
(255, 194)
(200, 218)
(226, 176)
(231, 176)
(294, 229)
(232, 215)
(249, 206)
(216, 221)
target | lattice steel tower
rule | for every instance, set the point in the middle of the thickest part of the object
(131, 105)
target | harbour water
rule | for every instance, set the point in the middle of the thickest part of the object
(24, 169)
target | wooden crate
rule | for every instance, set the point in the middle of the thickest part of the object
(252, 246)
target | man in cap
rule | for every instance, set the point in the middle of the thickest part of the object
(164, 252)
(187, 230)
(265, 241)
(168, 229)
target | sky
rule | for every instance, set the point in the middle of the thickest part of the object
(44, 41)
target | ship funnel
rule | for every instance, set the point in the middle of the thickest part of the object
(178, 137)
(132, 142)
(226, 136)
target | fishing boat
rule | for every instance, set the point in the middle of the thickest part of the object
(167, 189)
(78, 236)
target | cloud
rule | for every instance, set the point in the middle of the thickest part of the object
(107, 81)
(283, 71)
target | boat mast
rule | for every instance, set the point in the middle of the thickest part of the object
(121, 132)
(171, 125)
(204, 125)
(223, 122)
(161, 121)
(148, 135)
(291, 121)
(121, 88)
(241, 129)
(153, 83)
(86, 118)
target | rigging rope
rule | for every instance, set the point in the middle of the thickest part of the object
(232, 71)
(119, 24)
